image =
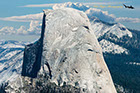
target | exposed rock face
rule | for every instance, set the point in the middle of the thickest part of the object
(71, 54)
(33, 55)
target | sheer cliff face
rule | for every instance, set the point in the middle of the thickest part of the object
(71, 53)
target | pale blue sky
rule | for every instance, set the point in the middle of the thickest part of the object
(10, 8)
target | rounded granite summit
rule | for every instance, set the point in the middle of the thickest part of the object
(73, 53)
(69, 56)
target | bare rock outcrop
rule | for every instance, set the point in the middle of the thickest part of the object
(68, 54)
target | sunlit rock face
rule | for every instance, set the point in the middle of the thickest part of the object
(68, 54)
(71, 52)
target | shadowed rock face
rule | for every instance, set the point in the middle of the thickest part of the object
(32, 56)
(69, 54)
(32, 60)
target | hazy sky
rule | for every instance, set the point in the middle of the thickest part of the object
(9, 8)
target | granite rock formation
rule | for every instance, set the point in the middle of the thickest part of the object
(67, 58)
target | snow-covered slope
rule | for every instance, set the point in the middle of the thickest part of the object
(11, 55)
(109, 47)
(100, 28)
(109, 32)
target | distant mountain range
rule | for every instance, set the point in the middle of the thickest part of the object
(120, 46)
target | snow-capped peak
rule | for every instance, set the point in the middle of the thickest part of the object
(100, 28)
(78, 6)
(120, 30)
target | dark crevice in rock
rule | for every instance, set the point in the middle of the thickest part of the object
(63, 59)
(86, 27)
(75, 71)
(92, 50)
(3, 87)
(50, 74)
